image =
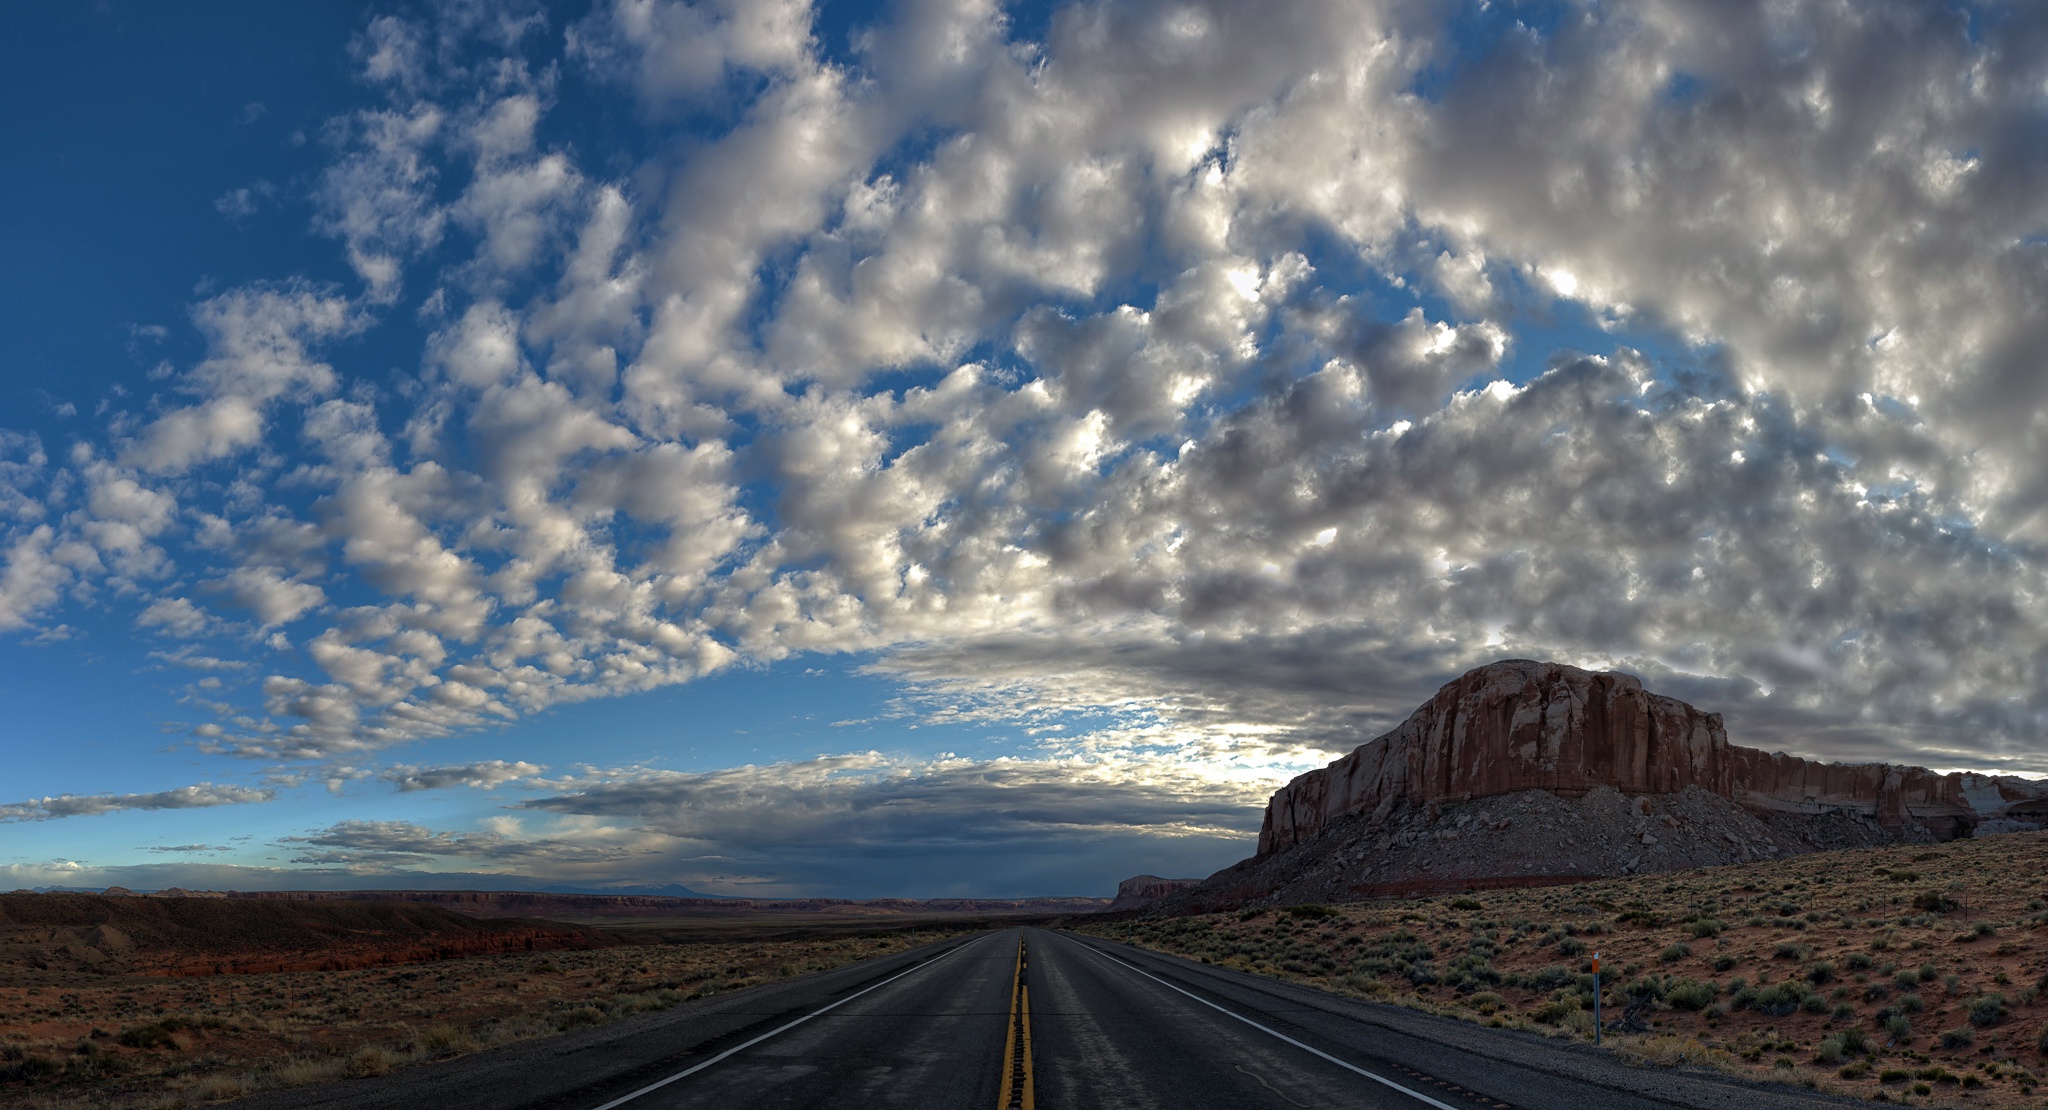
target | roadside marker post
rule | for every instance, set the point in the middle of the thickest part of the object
(1596, 999)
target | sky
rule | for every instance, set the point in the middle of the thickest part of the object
(936, 448)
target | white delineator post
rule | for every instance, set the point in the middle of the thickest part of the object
(1596, 998)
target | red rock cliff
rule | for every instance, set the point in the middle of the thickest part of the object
(1522, 725)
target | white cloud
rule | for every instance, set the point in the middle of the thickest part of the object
(176, 616)
(269, 596)
(198, 796)
(1190, 361)
(485, 775)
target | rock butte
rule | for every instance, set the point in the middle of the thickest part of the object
(1520, 725)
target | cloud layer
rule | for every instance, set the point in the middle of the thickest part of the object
(1198, 363)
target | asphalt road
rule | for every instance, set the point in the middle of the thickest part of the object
(1107, 1026)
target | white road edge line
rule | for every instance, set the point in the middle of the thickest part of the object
(1380, 1079)
(694, 1069)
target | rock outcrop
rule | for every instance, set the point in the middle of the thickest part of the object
(1520, 725)
(1522, 773)
(1140, 891)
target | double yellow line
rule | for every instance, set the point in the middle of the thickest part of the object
(1016, 1092)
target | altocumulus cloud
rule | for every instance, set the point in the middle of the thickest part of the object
(1190, 360)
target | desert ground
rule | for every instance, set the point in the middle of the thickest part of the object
(145, 1012)
(1902, 975)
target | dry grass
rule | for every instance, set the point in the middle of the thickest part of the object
(1911, 974)
(116, 1041)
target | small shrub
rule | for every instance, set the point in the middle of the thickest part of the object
(1911, 1003)
(1820, 973)
(444, 1040)
(1933, 901)
(578, 1017)
(30, 1068)
(1725, 962)
(370, 1060)
(1556, 1010)
(1572, 946)
(1959, 1037)
(1313, 911)
(1688, 994)
(157, 1034)
(1465, 904)
(1987, 1010)
(1674, 952)
(1899, 1026)
(1894, 1075)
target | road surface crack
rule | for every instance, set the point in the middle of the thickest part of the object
(1262, 1082)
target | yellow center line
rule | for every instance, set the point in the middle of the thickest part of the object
(1016, 1092)
(1027, 1047)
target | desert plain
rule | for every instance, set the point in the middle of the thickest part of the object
(1908, 975)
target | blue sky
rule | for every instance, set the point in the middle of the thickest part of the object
(938, 448)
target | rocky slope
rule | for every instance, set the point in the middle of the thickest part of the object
(1524, 773)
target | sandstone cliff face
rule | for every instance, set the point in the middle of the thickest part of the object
(1140, 891)
(1520, 725)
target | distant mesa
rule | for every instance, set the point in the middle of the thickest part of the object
(1524, 773)
(517, 903)
(1140, 891)
(168, 935)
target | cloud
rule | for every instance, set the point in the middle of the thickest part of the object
(270, 597)
(485, 775)
(176, 616)
(198, 796)
(257, 353)
(1236, 376)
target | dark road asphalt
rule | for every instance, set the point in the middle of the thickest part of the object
(1108, 1026)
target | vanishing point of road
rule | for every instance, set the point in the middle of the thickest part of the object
(1034, 1019)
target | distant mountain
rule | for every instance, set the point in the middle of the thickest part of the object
(671, 890)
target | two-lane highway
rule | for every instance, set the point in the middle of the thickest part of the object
(1025, 1019)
